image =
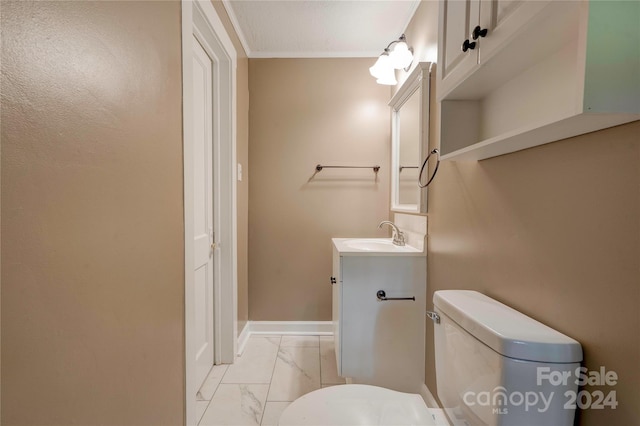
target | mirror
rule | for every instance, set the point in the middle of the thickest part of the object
(410, 141)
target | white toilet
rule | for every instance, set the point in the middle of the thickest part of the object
(492, 368)
(362, 405)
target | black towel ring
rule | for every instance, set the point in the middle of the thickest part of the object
(435, 151)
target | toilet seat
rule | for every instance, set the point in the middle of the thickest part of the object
(353, 405)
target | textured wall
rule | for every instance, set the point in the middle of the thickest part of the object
(304, 112)
(552, 231)
(92, 222)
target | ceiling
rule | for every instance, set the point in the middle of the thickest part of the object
(318, 28)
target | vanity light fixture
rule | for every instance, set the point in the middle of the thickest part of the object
(401, 57)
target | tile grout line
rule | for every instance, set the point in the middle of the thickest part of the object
(214, 392)
(266, 399)
(240, 384)
(279, 348)
(205, 410)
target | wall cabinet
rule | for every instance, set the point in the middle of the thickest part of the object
(543, 71)
(465, 26)
(380, 342)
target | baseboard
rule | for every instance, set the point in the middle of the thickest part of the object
(243, 338)
(302, 328)
(428, 397)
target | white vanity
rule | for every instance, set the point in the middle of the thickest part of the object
(378, 341)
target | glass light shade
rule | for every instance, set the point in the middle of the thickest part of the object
(401, 56)
(388, 77)
(382, 64)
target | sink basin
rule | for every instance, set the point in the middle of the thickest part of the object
(372, 245)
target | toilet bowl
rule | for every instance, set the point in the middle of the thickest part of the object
(487, 356)
(358, 405)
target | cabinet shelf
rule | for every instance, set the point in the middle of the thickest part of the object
(570, 69)
(538, 133)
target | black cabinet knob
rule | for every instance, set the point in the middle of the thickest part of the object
(479, 32)
(467, 45)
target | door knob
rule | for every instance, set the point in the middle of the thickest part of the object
(468, 45)
(479, 32)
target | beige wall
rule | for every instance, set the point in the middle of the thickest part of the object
(304, 112)
(242, 152)
(423, 38)
(92, 222)
(554, 232)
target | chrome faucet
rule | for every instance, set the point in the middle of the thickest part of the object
(398, 235)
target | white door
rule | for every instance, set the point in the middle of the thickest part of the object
(203, 236)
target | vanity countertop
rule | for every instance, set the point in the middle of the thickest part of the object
(373, 247)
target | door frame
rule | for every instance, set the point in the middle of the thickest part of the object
(199, 19)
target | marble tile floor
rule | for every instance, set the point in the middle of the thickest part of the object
(272, 372)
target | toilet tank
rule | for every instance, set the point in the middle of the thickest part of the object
(497, 366)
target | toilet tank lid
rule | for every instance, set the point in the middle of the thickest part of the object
(505, 330)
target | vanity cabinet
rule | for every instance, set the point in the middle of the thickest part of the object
(336, 296)
(380, 342)
(544, 71)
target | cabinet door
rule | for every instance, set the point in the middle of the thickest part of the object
(383, 341)
(503, 19)
(457, 20)
(336, 289)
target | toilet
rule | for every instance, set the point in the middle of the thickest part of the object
(491, 368)
(357, 405)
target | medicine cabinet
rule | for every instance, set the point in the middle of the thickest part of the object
(410, 140)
